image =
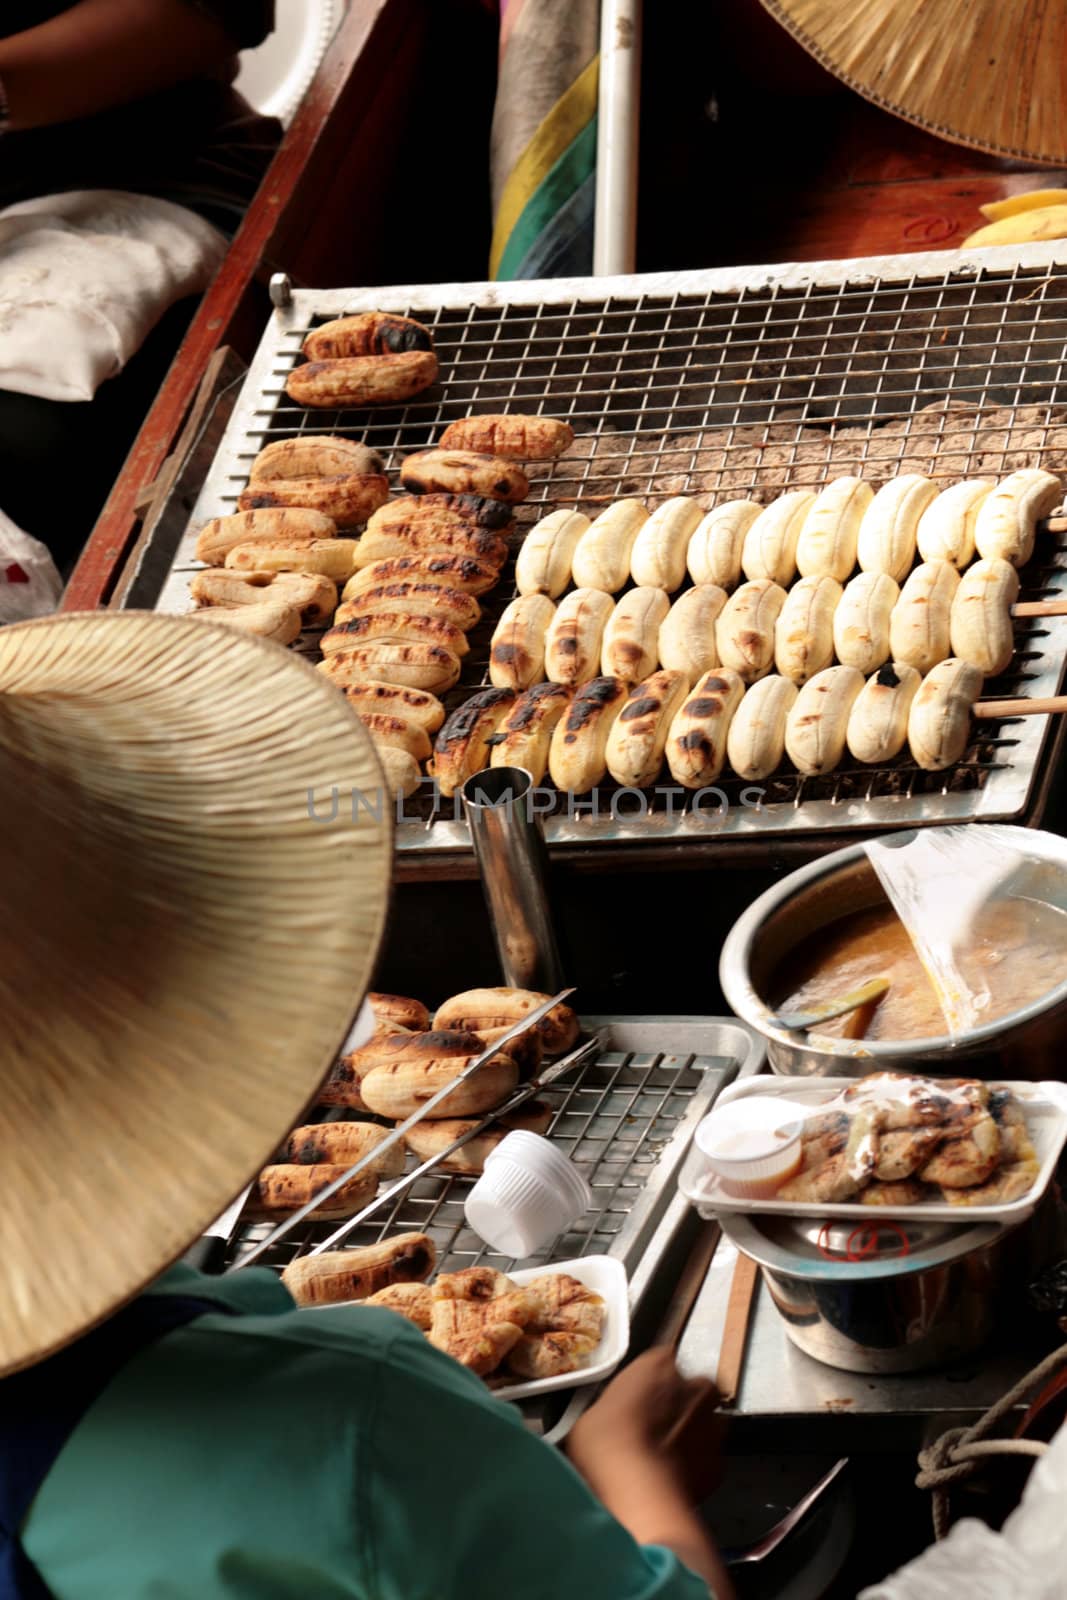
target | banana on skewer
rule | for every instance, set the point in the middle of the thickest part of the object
(817, 725)
(658, 558)
(331, 558)
(946, 527)
(510, 434)
(631, 636)
(458, 571)
(524, 738)
(397, 732)
(404, 662)
(804, 631)
(638, 735)
(829, 536)
(1007, 520)
(271, 619)
(577, 757)
(395, 626)
(980, 624)
(939, 723)
(919, 624)
(687, 635)
(464, 743)
(576, 635)
(464, 472)
(862, 621)
(878, 722)
(296, 526)
(744, 632)
(517, 651)
(544, 562)
(390, 699)
(367, 333)
(696, 742)
(417, 597)
(890, 525)
(602, 555)
(770, 547)
(755, 741)
(314, 596)
(714, 553)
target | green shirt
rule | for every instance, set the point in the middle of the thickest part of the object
(313, 1454)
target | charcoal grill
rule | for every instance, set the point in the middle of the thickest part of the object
(723, 384)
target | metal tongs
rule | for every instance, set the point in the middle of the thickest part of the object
(520, 1095)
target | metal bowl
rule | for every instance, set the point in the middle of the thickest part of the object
(1027, 1043)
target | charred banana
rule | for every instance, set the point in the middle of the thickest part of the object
(517, 650)
(878, 721)
(575, 638)
(363, 381)
(577, 757)
(631, 637)
(464, 472)
(638, 736)
(463, 745)
(696, 743)
(512, 435)
(524, 738)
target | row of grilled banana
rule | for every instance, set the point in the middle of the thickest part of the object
(373, 359)
(761, 627)
(817, 535)
(407, 1061)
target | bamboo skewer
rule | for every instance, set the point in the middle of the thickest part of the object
(1040, 608)
(990, 710)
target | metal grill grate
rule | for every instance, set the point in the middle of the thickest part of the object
(724, 385)
(616, 1119)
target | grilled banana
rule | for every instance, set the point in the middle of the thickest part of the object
(330, 558)
(222, 534)
(744, 633)
(271, 619)
(362, 380)
(464, 472)
(388, 544)
(342, 1144)
(544, 561)
(398, 732)
(631, 637)
(687, 635)
(390, 699)
(755, 741)
(980, 626)
(939, 723)
(576, 636)
(349, 501)
(770, 547)
(1007, 520)
(714, 553)
(601, 557)
(577, 759)
(946, 527)
(401, 1087)
(400, 769)
(890, 525)
(394, 625)
(334, 1276)
(696, 743)
(284, 1188)
(440, 511)
(314, 596)
(417, 598)
(804, 632)
(517, 651)
(394, 1011)
(314, 455)
(919, 624)
(512, 435)
(829, 536)
(463, 745)
(427, 1139)
(369, 333)
(525, 735)
(878, 721)
(638, 735)
(657, 560)
(487, 1011)
(409, 665)
(862, 621)
(456, 572)
(817, 725)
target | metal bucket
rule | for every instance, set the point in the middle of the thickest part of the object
(1027, 1043)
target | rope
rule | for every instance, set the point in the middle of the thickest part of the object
(957, 1454)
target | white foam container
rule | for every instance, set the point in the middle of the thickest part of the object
(1044, 1106)
(605, 1276)
(528, 1194)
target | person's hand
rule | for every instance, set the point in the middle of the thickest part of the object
(651, 1410)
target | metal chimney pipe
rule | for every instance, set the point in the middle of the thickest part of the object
(509, 847)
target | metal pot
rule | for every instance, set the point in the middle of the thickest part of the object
(889, 1312)
(1027, 1043)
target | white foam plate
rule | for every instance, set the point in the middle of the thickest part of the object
(1044, 1106)
(607, 1277)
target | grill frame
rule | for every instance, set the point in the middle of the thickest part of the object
(932, 309)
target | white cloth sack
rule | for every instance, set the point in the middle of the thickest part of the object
(84, 277)
(30, 585)
(1027, 1560)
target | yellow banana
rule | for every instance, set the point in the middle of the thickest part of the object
(890, 524)
(946, 527)
(817, 725)
(804, 632)
(878, 721)
(770, 547)
(714, 551)
(1007, 520)
(939, 723)
(1026, 227)
(862, 621)
(1032, 200)
(657, 560)
(919, 625)
(980, 627)
(687, 636)
(829, 535)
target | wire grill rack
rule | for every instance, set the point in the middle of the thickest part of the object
(730, 384)
(624, 1118)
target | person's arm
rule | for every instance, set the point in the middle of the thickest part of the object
(105, 53)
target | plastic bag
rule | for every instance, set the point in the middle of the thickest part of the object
(30, 585)
(1026, 1561)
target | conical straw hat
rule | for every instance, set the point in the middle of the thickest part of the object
(183, 946)
(985, 73)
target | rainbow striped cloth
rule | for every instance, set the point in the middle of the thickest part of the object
(543, 152)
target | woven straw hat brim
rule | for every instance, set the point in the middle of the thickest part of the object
(983, 73)
(183, 948)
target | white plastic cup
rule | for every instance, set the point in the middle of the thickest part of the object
(528, 1194)
(753, 1147)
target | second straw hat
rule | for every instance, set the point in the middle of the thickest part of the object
(186, 939)
(985, 73)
